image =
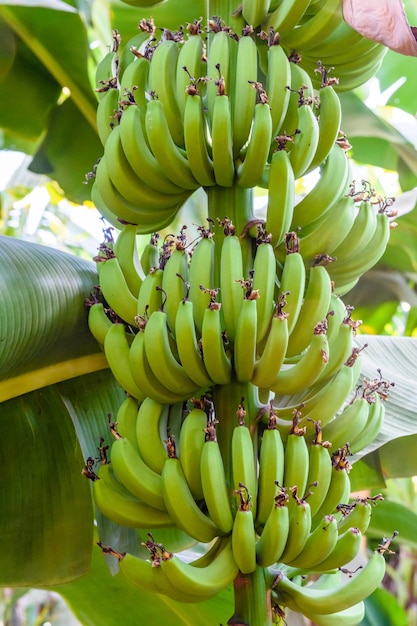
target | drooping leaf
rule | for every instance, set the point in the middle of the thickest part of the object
(388, 516)
(383, 609)
(43, 319)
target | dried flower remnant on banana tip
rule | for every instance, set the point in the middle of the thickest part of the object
(383, 21)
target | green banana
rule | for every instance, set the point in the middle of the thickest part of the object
(106, 74)
(134, 83)
(202, 581)
(164, 148)
(219, 62)
(162, 85)
(268, 365)
(116, 503)
(296, 459)
(359, 235)
(327, 601)
(319, 471)
(135, 474)
(255, 11)
(125, 249)
(306, 140)
(216, 359)
(243, 107)
(107, 114)
(190, 65)
(349, 424)
(293, 280)
(181, 506)
(192, 443)
(346, 549)
(286, 15)
(281, 197)
(98, 322)
(174, 280)
(271, 471)
(189, 351)
(299, 528)
(320, 543)
(150, 294)
(138, 154)
(313, 311)
(263, 282)
(339, 490)
(274, 536)
(305, 372)
(147, 430)
(278, 78)
(244, 538)
(244, 468)
(250, 171)
(222, 141)
(246, 339)
(356, 515)
(116, 349)
(149, 258)
(196, 138)
(213, 480)
(149, 384)
(231, 275)
(126, 419)
(372, 426)
(201, 273)
(330, 117)
(312, 31)
(161, 358)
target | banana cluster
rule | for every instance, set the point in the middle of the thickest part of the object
(236, 351)
(175, 118)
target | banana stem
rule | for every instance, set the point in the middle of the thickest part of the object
(229, 11)
(236, 204)
(252, 600)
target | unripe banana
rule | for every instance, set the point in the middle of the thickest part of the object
(174, 280)
(116, 291)
(126, 420)
(150, 294)
(243, 107)
(319, 471)
(250, 171)
(281, 197)
(346, 549)
(116, 349)
(305, 142)
(349, 424)
(216, 359)
(268, 365)
(246, 338)
(222, 142)
(192, 436)
(190, 64)
(274, 536)
(264, 273)
(213, 480)
(125, 249)
(231, 275)
(299, 529)
(201, 272)
(196, 139)
(271, 470)
(98, 322)
(243, 535)
(293, 280)
(286, 15)
(278, 78)
(320, 543)
(148, 433)
(244, 469)
(181, 506)
(189, 350)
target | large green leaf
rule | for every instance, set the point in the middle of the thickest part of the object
(383, 609)
(43, 319)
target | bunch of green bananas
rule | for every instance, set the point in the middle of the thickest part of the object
(236, 350)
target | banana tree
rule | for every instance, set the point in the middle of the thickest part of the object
(56, 388)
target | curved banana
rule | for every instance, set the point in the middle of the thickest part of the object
(162, 360)
(139, 155)
(222, 141)
(356, 515)
(359, 235)
(244, 469)
(216, 359)
(325, 601)
(98, 322)
(319, 472)
(338, 492)
(330, 187)
(219, 66)
(274, 536)
(340, 347)
(190, 64)
(372, 426)
(116, 349)
(115, 289)
(116, 503)
(264, 274)
(215, 490)
(134, 82)
(293, 280)
(149, 384)
(271, 471)
(189, 351)
(192, 437)
(201, 274)
(181, 505)
(281, 197)
(243, 107)
(149, 258)
(296, 459)
(330, 117)
(196, 139)
(231, 275)
(349, 424)
(346, 549)
(278, 78)
(244, 539)
(244, 354)
(320, 543)
(150, 416)
(202, 581)
(107, 114)
(174, 281)
(164, 148)
(106, 74)
(255, 11)
(306, 140)
(150, 294)
(126, 420)
(250, 171)
(306, 371)
(268, 365)
(162, 85)
(286, 15)
(312, 31)
(313, 311)
(299, 528)
(135, 474)
(125, 249)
